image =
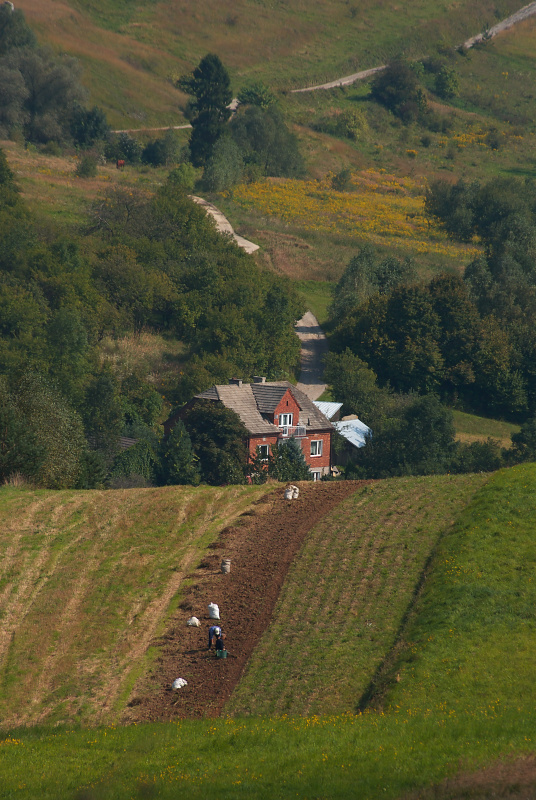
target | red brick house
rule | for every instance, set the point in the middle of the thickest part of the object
(272, 412)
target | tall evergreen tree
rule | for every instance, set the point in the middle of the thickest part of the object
(288, 463)
(178, 463)
(210, 86)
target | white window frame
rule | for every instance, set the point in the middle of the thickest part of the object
(266, 447)
(285, 420)
(319, 446)
(317, 475)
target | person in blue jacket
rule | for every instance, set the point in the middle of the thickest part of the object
(213, 632)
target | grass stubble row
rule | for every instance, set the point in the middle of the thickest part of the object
(465, 696)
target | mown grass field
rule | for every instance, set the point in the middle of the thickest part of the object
(345, 598)
(87, 579)
(464, 700)
(472, 428)
(469, 643)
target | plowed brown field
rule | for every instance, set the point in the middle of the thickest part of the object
(261, 550)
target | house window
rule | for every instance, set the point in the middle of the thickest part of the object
(264, 451)
(316, 475)
(316, 447)
(285, 420)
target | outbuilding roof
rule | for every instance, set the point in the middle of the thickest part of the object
(354, 431)
(328, 409)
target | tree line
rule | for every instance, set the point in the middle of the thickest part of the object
(141, 262)
(465, 340)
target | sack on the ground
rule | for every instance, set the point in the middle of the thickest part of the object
(193, 622)
(213, 611)
(292, 492)
(178, 683)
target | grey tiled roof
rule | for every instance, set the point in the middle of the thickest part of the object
(242, 400)
(267, 396)
(209, 394)
(252, 400)
(310, 415)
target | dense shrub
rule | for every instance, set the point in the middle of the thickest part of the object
(86, 167)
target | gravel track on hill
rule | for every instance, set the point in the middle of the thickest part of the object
(261, 547)
(314, 346)
(519, 16)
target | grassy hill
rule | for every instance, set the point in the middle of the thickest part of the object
(87, 580)
(308, 230)
(464, 698)
(133, 51)
(342, 605)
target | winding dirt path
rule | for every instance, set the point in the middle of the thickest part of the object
(523, 14)
(314, 347)
(223, 224)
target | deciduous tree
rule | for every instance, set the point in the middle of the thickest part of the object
(219, 441)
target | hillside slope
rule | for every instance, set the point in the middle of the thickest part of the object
(86, 581)
(133, 51)
(343, 602)
(465, 699)
(96, 588)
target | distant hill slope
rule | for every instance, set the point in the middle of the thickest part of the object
(133, 52)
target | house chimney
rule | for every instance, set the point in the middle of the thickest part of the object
(259, 379)
(235, 381)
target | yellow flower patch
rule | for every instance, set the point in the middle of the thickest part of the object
(380, 209)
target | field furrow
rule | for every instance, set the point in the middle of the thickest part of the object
(344, 599)
(87, 581)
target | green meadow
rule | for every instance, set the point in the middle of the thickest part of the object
(455, 692)
(472, 428)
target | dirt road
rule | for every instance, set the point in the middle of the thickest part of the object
(314, 347)
(509, 22)
(223, 224)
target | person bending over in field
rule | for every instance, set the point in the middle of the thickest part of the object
(213, 632)
(220, 645)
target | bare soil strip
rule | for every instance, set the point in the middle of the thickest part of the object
(511, 779)
(261, 550)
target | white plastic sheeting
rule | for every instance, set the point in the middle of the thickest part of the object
(178, 683)
(327, 409)
(354, 431)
